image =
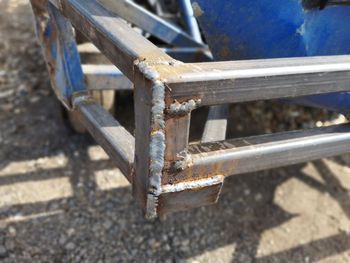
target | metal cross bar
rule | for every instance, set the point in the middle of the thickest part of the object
(216, 125)
(105, 77)
(114, 138)
(239, 81)
(257, 153)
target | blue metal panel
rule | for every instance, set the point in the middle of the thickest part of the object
(61, 54)
(257, 29)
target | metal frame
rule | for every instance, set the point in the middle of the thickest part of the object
(167, 174)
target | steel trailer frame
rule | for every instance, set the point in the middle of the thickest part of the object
(166, 172)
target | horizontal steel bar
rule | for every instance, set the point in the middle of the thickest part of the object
(157, 26)
(249, 80)
(117, 40)
(113, 138)
(267, 151)
(186, 54)
(105, 77)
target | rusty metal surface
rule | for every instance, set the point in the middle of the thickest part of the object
(182, 196)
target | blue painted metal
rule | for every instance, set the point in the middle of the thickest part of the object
(60, 49)
(257, 29)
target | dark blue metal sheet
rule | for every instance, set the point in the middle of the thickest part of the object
(257, 29)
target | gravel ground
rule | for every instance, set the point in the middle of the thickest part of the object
(62, 200)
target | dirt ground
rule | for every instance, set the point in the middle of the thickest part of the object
(62, 200)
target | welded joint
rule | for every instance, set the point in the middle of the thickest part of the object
(195, 185)
(183, 108)
(184, 160)
(79, 98)
(157, 141)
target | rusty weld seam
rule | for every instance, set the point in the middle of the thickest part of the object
(79, 98)
(183, 162)
(184, 108)
(157, 144)
(193, 185)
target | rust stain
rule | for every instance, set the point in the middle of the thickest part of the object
(225, 51)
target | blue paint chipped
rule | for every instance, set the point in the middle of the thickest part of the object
(258, 29)
(62, 56)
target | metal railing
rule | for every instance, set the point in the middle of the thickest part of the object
(167, 174)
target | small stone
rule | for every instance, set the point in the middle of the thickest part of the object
(62, 240)
(3, 251)
(12, 231)
(70, 246)
(151, 241)
(7, 107)
(185, 243)
(156, 245)
(10, 244)
(167, 247)
(34, 99)
(138, 239)
(258, 197)
(107, 224)
(22, 88)
(71, 232)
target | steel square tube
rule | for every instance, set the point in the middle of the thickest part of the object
(216, 125)
(113, 138)
(239, 81)
(105, 77)
(257, 153)
(185, 54)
